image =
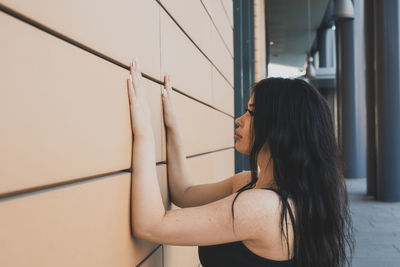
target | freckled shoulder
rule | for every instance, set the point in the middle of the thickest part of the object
(262, 209)
(257, 210)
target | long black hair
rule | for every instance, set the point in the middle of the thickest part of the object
(295, 122)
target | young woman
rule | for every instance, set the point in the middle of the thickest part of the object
(290, 209)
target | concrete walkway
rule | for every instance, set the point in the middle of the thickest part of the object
(376, 228)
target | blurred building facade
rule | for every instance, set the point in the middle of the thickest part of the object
(354, 49)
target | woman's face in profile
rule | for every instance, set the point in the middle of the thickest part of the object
(242, 137)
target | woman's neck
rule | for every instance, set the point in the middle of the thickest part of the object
(265, 171)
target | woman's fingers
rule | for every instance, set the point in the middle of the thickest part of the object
(137, 68)
(133, 76)
(136, 77)
(131, 92)
(166, 82)
(167, 85)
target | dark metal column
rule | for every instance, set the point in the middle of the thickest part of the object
(325, 40)
(351, 93)
(370, 97)
(387, 59)
(326, 48)
(360, 90)
(243, 64)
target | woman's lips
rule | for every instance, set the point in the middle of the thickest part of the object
(237, 136)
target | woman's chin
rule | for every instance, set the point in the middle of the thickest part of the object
(239, 149)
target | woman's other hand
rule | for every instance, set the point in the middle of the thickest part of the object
(170, 118)
(139, 106)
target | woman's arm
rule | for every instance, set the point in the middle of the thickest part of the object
(203, 225)
(184, 192)
(180, 178)
(147, 206)
(255, 210)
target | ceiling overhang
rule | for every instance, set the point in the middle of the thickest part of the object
(287, 29)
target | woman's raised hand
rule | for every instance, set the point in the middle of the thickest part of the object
(170, 118)
(139, 106)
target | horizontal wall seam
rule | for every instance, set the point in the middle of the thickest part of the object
(209, 152)
(52, 186)
(190, 156)
(204, 103)
(194, 43)
(59, 35)
(39, 189)
(69, 40)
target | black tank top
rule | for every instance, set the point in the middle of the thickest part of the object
(236, 254)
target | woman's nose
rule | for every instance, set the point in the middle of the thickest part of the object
(237, 121)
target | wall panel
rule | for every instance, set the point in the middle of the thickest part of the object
(228, 6)
(193, 18)
(203, 129)
(181, 255)
(223, 94)
(213, 167)
(155, 260)
(118, 29)
(66, 125)
(190, 70)
(64, 112)
(223, 60)
(218, 14)
(81, 224)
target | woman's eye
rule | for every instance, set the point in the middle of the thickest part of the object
(251, 112)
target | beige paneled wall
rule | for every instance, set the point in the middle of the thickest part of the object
(65, 135)
(205, 71)
(80, 224)
(217, 12)
(190, 70)
(117, 29)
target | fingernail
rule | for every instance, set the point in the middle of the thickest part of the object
(137, 63)
(130, 78)
(164, 93)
